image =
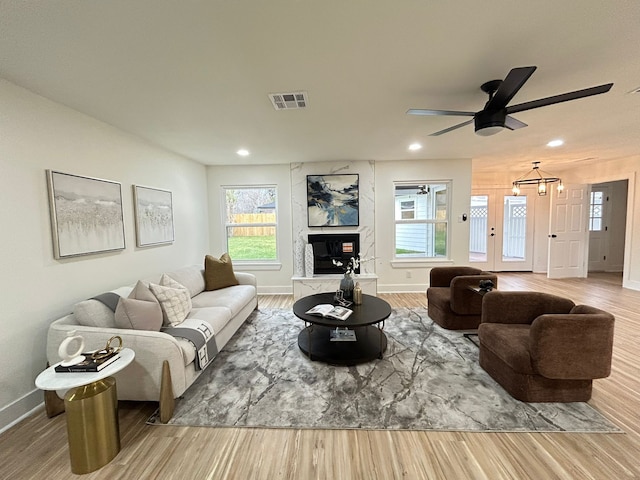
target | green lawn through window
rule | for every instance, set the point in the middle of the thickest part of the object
(252, 248)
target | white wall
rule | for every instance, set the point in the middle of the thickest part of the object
(270, 279)
(37, 134)
(411, 276)
(376, 210)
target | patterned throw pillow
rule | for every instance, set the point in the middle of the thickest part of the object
(218, 273)
(174, 299)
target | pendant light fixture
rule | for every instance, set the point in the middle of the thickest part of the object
(536, 177)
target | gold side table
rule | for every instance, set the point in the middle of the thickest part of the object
(91, 404)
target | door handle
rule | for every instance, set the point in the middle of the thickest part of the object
(553, 235)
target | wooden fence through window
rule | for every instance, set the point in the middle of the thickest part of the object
(246, 219)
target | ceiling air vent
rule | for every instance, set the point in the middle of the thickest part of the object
(289, 101)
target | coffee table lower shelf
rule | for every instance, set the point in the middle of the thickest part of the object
(315, 342)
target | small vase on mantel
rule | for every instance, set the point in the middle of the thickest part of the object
(346, 285)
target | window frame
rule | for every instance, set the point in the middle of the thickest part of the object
(593, 217)
(446, 221)
(256, 264)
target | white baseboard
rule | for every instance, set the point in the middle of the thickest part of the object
(20, 409)
(402, 288)
(275, 290)
(631, 284)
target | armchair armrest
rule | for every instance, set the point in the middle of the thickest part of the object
(576, 346)
(521, 307)
(464, 301)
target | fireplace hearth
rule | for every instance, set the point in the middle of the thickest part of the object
(333, 246)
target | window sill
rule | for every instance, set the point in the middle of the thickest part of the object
(420, 262)
(262, 266)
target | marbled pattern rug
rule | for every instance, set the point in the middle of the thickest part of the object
(429, 379)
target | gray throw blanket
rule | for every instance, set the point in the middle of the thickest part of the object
(110, 299)
(201, 335)
(198, 332)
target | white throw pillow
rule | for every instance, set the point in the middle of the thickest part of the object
(174, 299)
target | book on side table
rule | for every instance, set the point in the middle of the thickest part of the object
(330, 311)
(89, 364)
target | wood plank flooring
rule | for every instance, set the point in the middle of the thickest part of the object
(37, 449)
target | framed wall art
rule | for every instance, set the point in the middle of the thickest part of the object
(332, 200)
(86, 215)
(154, 216)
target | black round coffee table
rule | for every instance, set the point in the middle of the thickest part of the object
(367, 321)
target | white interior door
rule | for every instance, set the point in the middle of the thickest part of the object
(501, 230)
(568, 232)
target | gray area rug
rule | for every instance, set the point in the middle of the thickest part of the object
(429, 379)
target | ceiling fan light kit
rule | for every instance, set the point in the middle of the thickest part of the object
(536, 177)
(495, 116)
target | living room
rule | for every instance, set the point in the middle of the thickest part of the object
(39, 134)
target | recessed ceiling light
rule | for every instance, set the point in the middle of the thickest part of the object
(243, 152)
(415, 146)
(555, 143)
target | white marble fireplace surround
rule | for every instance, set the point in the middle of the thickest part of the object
(366, 177)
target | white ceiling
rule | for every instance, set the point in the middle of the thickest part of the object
(194, 76)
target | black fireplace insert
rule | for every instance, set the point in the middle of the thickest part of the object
(333, 246)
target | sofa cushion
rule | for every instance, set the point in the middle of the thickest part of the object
(510, 343)
(218, 273)
(174, 299)
(234, 298)
(192, 278)
(217, 317)
(94, 313)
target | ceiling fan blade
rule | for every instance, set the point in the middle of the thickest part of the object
(565, 97)
(422, 111)
(513, 82)
(455, 127)
(513, 123)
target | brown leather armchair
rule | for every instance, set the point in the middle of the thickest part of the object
(451, 302)
(544, 348)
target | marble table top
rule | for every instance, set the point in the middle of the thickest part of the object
(52, 380)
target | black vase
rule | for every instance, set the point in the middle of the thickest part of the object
(346, 285)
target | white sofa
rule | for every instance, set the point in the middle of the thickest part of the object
(164, 367)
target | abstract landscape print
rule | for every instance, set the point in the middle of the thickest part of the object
(154, 216)
(332, 200)
(86, 215)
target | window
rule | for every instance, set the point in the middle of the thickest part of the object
(421, 220)
(408, 209)
(251, 223)
(596, 208)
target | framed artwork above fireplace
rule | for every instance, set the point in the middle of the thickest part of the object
(333, 200)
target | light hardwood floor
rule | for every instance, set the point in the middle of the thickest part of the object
(37, 448)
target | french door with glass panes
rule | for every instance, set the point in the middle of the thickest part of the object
(501, 230)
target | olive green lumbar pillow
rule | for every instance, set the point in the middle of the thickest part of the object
(218, 273)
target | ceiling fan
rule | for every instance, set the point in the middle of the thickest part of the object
(495, 116)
